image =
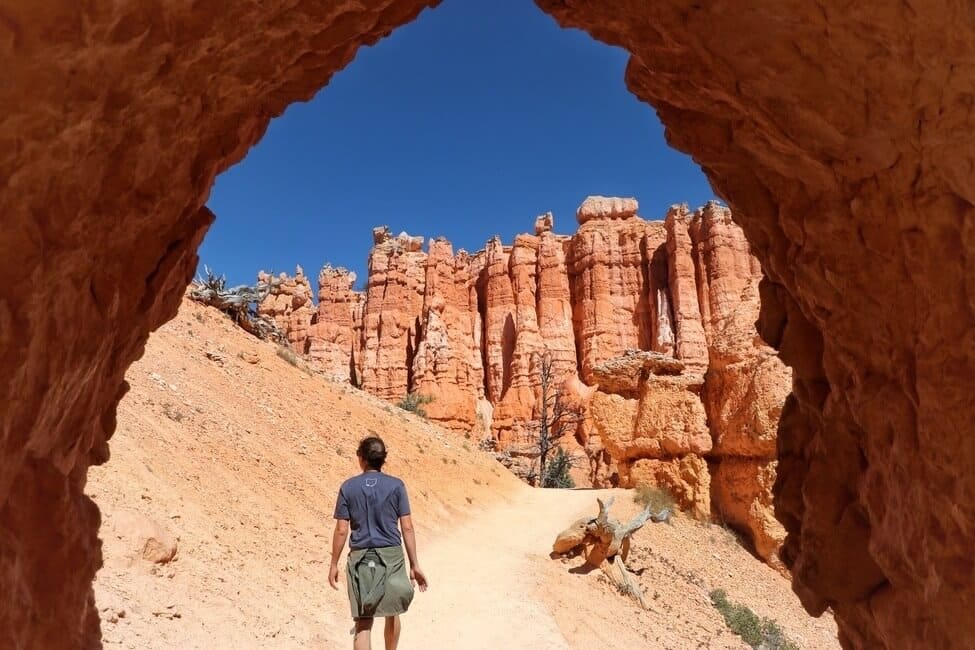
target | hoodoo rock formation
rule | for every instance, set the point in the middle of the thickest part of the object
(648, 324)
(333, 340)
(289, 304)
(841, 135)
(448, 362)
(391, 313)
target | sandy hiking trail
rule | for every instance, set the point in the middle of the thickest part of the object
(485, 576)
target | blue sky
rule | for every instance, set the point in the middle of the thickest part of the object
(466, 123)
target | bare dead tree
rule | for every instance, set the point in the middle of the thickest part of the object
(556, 418)
(240, 303)
(606, 543)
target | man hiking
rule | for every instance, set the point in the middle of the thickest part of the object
(372, 504)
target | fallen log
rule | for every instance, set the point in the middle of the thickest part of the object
(606, 544)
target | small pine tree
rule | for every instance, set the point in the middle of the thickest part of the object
(557, 471)
(413, 402)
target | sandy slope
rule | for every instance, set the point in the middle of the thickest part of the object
(241, 461)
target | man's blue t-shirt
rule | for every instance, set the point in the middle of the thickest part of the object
(373, 502)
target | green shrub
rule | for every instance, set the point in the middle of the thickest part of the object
(557, 471)
(657, 498)
(413, 402)
(757, 632)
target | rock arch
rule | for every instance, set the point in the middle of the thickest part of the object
(841, 135)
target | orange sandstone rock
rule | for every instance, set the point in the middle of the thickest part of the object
(447, 365)
(667, 420)
(607, 268)
(391, 314)
(691, 346)
(722, 254)
(746, 384)
(554, 300)
(741, 490)
(331, 335)
(544, 223)
(686, 478)
(745, 388)
(289, 304)
(499, 320)
(606, 207)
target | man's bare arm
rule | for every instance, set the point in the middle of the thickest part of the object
(409, 539)
(339, 536)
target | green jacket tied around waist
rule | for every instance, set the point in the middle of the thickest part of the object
(378, 582)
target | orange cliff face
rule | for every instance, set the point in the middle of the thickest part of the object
(333, 343)
(448, 363)
(649, 326)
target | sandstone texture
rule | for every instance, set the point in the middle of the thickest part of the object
(685, 290)
(741, 491)
(606, 207)
(331, 342)
(607, 270)
(685, 477)
(391, 313)
(745, 385)
(448, 366)
(289, 303)
(839, 135)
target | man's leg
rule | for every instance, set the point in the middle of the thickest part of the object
(363, 634)
(391, 632)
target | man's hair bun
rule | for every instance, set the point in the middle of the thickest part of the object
(373, 451)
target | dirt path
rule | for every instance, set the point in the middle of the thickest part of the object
(485, 577)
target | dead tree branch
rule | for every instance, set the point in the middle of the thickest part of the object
(606, 544)
(240, 303)
(555, 420)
